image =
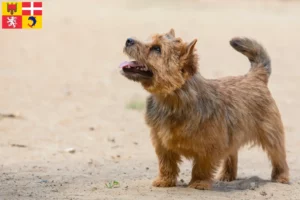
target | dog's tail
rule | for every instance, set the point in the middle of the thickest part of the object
(257, 55)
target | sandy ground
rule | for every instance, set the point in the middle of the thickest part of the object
(63, 84)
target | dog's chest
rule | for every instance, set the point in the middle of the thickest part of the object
(181, 142)
(173, 139)
(176, 130)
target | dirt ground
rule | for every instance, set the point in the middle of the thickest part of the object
(62, 85)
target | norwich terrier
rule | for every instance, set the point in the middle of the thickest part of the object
(205, 120)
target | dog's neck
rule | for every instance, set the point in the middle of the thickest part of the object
(197, 91)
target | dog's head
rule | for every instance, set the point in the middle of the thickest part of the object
(162, 64)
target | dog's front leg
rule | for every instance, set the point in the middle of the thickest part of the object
(202, 173)
(168, 165)
(168, 168)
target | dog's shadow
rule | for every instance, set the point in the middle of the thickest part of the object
(240, 184)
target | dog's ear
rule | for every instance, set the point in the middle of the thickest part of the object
(172, 32)
(188, 50)
(190, 47)
(189, 60)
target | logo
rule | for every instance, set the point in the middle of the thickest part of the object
(11, 8)
(22, 15)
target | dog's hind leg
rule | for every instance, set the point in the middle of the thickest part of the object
(229, 168)
(273, 142)
(280, 171)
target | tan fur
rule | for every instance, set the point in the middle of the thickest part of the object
(208, 120)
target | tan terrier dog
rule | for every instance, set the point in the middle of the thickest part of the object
(206, 120)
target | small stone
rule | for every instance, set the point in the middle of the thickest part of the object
(19, 145)
(70, 150)
(147, 168)
(112, 140)
(91, 162)
(263, 193)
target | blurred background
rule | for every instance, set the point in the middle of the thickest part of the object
(70, 123)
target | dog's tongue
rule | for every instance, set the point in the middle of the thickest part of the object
(129, 64)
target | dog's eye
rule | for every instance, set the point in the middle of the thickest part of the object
(155, 48)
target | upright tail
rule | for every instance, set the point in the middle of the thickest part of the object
(255, 52)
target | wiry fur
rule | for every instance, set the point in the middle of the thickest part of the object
(208, 120)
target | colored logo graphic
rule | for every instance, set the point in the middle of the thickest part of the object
(11, 7)
(12, 22)
(22, 15)
(33, 19)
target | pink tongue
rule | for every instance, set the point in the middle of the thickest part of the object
(129, 63)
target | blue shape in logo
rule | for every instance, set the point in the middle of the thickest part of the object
(33, 19)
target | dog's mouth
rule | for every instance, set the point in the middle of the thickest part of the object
(135, 69)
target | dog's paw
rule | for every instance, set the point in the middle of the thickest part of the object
(201, 185)
(159, 182)
(281, 179)
(226, 178)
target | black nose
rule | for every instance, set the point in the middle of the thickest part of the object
(129, 42)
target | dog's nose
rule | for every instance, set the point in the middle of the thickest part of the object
(129, 42)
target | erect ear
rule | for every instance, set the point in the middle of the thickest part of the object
(189, 60)
(190, 47)
(172, 32)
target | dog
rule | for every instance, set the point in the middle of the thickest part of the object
(205, 120)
